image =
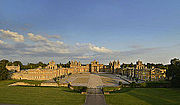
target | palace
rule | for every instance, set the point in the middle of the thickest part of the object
(141, 72)
(51, 71)
(13, 68)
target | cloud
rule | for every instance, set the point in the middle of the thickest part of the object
(54, 36)
(2, 42)
(136, 46)
(36, 38)
(7, 34)
(40, 46)
(83, 57)
(100, 49)
(59, 42)
(94, 48)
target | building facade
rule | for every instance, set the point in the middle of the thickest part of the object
(13, 68)
(52, 70)
(141, 72)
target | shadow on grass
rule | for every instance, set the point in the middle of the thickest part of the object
(159, 96)
(71, 91)
(150, 99)
(38, 86)
(65, 89)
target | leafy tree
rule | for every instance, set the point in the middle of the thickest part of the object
(4, 73)
(16, 63)
(131, 65)
(41, 64)
(3, 62)
(174, 72)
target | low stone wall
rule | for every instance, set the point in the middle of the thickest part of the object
(49, 84)
(21, 84)
(42, 84)
(63, 84)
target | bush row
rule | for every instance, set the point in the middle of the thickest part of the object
(112, 88)
(151, 84)
(35, 82)
(79, 88)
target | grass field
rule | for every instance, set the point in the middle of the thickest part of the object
(38, 95)
(145, 96)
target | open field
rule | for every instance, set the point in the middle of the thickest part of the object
(144, 96)
(38, 95)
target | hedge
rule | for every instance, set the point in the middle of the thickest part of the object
(79, 88)
(111, 88)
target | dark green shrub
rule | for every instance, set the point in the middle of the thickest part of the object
(133, 84)
(120, 83)
(176, 82)
(35, 82)
(158, 84)
(79, 88)
(143, 85)
(109, 89)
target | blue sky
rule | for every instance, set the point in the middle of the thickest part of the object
(90, 29)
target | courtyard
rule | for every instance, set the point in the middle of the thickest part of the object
(87, 79)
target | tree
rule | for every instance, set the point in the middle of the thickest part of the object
(3, 62)
(174, 72)
(41, 64)
(131, 65)
(4, 73)
(16, 63)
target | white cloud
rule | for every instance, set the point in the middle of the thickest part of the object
(2, 42)
(59, 42)
(43, 47)
(7, 34)
(100, 49)
(54, 36)
(46, 46)
(84, 57)
(94, 48)
(36, 37)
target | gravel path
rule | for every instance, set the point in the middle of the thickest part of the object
(94, 81)
(95, 95)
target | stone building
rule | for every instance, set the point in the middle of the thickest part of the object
(77, 67)
(114, 66)
(139, 65)
(52, 70)
(95, 67)
(52, 65)
(158, 74)
(141, 72)
(13, 68)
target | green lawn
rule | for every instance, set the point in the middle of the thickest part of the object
(145, 96)
(38, 95)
